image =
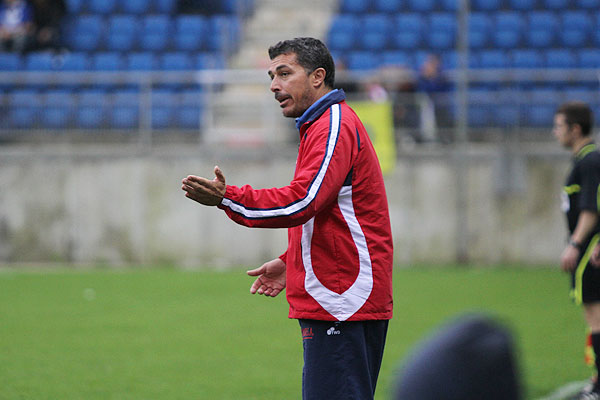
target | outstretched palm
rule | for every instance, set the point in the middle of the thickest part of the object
(271, 278)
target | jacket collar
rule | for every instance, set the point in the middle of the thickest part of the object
(320, 106)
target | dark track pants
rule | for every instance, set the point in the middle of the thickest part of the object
(341, 359)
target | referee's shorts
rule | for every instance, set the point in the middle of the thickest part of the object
(585, 279)
(341, 359)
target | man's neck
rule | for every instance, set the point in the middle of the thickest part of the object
(581, 143)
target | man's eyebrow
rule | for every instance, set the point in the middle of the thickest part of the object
(279, 67)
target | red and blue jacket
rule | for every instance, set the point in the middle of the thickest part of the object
(340, 252)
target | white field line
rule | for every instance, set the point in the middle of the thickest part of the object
(566, 391)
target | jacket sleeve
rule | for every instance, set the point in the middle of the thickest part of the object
(324, 162)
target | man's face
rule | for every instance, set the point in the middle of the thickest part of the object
(291, 85)
(562, 131)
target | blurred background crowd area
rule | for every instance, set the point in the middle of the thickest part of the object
(450, 69)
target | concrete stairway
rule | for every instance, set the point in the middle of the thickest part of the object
(246, 113)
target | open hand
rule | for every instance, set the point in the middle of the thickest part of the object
(271, 278)
(204, 191)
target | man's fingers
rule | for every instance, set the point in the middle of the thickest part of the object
(219, 174)
(256, 272)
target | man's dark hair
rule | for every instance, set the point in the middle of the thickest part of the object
(577, 112)
(310, 53)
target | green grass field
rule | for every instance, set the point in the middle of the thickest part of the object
(174, 334)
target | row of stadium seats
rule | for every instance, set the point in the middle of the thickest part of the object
(111, 61)
(534, 108)
(361, 60)
(154, 32)
(539, 29)
(100, 109)
(394, 6)
(107, 7)
(182, 109)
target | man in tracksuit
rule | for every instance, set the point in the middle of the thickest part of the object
(337, 269)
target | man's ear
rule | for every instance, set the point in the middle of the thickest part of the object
(318, 77)
(576, 130)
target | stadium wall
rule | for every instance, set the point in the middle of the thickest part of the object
(123, 204)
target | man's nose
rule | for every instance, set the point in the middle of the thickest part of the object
(274, 86)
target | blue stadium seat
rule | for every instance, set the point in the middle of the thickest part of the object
(84, 32)
(486, 5)
(523, 5)
(441, 40)
(176, 61)
(508, 29)
(449, 5)
(441, 32)
(380, 23)
(90, 117)
(76, 61)
(541, 29)
(136, 6)
(189, 113)
(24, 108)
(409, 30)
(388, 6)
(494, 58)
(558, 5)
(75, 6)
(406, 40)
(588, 4)
(345, 23)
(224, 33)
(108, 61)
(560, 58)
(542, 20)
(369, 40)
(506, 39)
(480, 25)
(376, 30)
(540, 38)
(141, 61)
(576, 28)
(588, 58)
(190, 32)
(43, 61)
(538, 115)
(102, 6)
(164, 104)
(92, 109)
(527, 58)
(58, 109)
(421, 5)
(340, 40)
(10, 62)
(123, 32)
(580, 93)
(480, 107)
(155, 32)
(165, 6)
(363, 61)
(505, 20)
(125, 113)
(354, 6)
(208, 60)
(542, 104)
(397, 58)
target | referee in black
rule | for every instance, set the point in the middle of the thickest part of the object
(573, 122)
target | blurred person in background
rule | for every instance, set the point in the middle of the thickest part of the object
(48, 16)
(573, 124)
(16, 25)
(432, 82)
(337, 269)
